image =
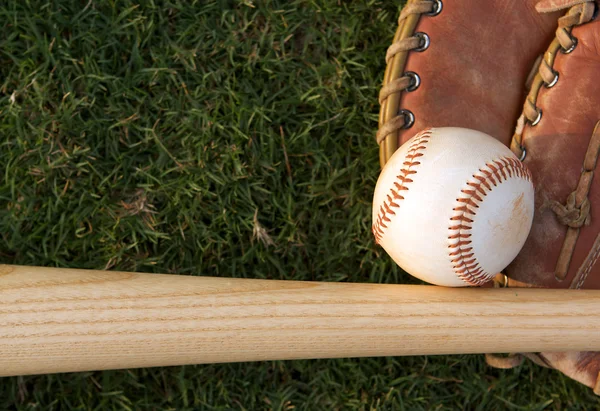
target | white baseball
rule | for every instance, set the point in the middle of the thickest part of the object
(453, 206)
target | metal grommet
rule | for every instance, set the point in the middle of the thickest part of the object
(537, 119)
(437, 8)
(523, 153)
(554, 81)
(570, 49)
(415, 80)
(425, 41)
(409, 118)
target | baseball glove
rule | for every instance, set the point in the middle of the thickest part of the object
(526, 72)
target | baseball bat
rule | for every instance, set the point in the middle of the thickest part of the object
(62, 320)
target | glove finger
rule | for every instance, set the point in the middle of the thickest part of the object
(560, 133)
(470, 71)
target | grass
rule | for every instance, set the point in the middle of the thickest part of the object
(227, 138)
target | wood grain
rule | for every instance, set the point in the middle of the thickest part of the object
(60, 320)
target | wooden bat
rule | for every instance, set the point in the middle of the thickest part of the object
(60, 320)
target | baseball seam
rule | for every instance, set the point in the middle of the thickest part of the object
(394, 197)
(460, 249)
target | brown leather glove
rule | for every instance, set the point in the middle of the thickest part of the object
(491, 66)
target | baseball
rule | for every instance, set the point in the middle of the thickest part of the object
(453, 206)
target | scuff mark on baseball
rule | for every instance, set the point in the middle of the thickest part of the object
(453, 206)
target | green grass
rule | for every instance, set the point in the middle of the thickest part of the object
(163, 137)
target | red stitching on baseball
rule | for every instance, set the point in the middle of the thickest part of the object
(462, 258)
(415, 151)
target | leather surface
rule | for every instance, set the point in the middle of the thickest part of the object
(581, 366)
(474, 72)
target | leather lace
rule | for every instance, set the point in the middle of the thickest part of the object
(580, 13)
(404, 82)
(570, 214)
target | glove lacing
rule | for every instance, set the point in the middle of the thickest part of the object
(408, 81)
